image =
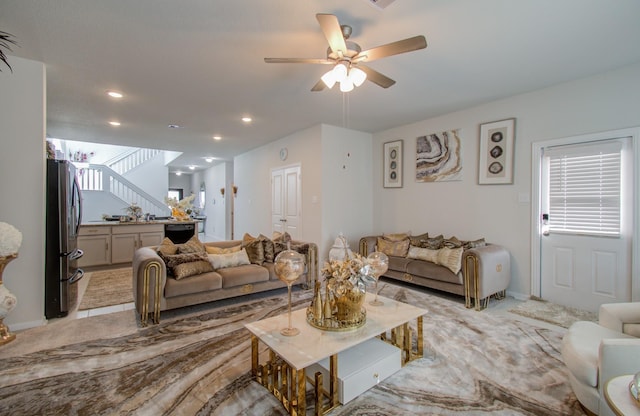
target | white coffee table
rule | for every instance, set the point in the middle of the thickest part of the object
(284, 373)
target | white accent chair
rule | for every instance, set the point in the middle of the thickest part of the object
(597, 352)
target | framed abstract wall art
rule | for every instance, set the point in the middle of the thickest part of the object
(497, 143)
(392, 164)
(438, 157)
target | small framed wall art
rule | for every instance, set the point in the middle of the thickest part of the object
(392, 164)
(497, 145)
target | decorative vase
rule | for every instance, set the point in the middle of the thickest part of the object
(342, 306)
(289, 266)
(8, 301)
(349, 296)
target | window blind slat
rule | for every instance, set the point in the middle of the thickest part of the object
(584, 189)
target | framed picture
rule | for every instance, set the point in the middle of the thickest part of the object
(392, 164)
(438, 157)
(497, 145)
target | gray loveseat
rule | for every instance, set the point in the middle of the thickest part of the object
(473, 269)
(156, 288)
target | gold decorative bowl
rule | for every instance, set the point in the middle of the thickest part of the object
(334, 324)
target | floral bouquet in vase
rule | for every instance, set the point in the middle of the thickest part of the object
(344, 294)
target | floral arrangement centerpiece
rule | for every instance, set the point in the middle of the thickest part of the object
(341, 308)
(134, 211)
(10, 242)
(180, 210)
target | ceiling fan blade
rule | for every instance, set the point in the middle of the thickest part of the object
(331, 29)
(298, 61)
(320, 85)
(393, 48)
(376, 77)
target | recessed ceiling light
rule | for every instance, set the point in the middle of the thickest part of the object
(192, 167)
(217, 138)
(178, 173)
(114, 94)
(175, 126)
(246, 119)
(208, 159)
(114, 123)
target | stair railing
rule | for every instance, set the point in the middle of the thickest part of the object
(103, 178)
(131, 159)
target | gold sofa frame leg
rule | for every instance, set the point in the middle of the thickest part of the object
(144, 314)
(471, 275)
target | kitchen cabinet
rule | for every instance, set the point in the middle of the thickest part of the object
(125, 240)
(95, 242)
(106, 245)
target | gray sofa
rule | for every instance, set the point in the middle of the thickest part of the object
(155, 290)
(473, 269)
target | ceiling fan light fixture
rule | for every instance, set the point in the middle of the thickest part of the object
(357, 76)
(340, 71)
(329, 79)
(346, 85)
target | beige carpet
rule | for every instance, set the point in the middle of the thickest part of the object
(107, 288)
(555, 314)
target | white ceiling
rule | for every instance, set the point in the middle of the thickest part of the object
(199, 63)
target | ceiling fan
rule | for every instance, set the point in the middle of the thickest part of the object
(348, 58)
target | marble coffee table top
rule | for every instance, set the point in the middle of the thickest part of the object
(313, 345)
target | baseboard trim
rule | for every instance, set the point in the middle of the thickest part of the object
(518, 296)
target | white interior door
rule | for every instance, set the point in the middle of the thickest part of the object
(585, 249)
(286, 201)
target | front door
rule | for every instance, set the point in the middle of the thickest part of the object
(586, 202)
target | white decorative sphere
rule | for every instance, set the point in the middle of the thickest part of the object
(10, 239)
(8, 301)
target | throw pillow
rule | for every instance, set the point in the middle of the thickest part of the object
(269, 248)
(221, 250)
(434, 243)
(393, 248)
(419, 240)
(281, 237)
(396, 236)
(192, 246)
(473, 244)
(451, 258)
(187, 264)
(167, 247)
(255, 251)
(425, 254)
(452, 242)
(222, 261)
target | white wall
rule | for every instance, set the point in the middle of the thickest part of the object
(216, 204)
(467, 210)
(252, 175)
(336, 166)
(181, 182)
(22, 184)
(152, 177)
(346, 186)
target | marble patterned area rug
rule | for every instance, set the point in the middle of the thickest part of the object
(553, 313)
(107, 288)
(197, 362)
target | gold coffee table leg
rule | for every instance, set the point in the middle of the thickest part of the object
(254, 355)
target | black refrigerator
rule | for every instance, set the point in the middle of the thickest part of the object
(63, 217)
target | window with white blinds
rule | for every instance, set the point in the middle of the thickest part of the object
(584, 188)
